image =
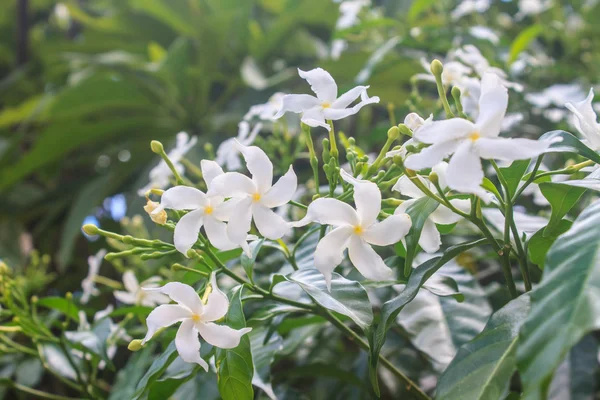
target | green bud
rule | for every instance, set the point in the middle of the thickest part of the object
(411, 149)
(135, 345)
(437, 67)
(326, 153)
(391, 202)
(351, 141)
(393, 133)
(69, 296)
(90, 229)
(456, 93)
(34, 299)
(398, 160)
(405, 130)
(157, 147)
(315, 196)
(433, 177)
(380, 174)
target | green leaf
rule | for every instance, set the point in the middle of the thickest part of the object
(391, 308)
(61, 304)
(564, 306)
(234, 366)
(444, 286)
(419, 211)
(513, 174)
(576, 376)
(127, 377)
(571, 144)
(157, 368)
(176, 15)
(54, 359)
(418, 7)
(539, 244)
(561, 198)
(483, 367)
(248, 262)
(523, 40)
(263, 355)
(346, 297)
(489, 186)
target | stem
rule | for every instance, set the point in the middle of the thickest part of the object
(443, 97)
(314, 161)
(531, 178)
(332, 143)
(39, 393)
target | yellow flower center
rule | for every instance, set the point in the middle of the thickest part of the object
(208, 210)
(256, 197)
(358, 230)
(474, 136)
(325, 105)
(195, 317)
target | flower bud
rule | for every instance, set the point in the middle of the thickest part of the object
(90, 229)
(157, 147)
(433, 178)
(135, 345)
(159, 217)
(393, 133)
(456, 93)
(403, 129)
(4, 270)
(34, 299)
(69, 296)
(398, 160)
(411, 149)
(437, 67)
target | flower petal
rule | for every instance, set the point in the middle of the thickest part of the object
(187, 229)
(314, 117)
(210, 170)
(330, 251)
(125, 297)
(217, 303)
(163, 316)
(130, 281)
(406, 188)
(231, 184)
(239, 221)
(404, 206)
(586, 121)
(388, 231)
(322, 83)
(444, 131)
(492, 105)
(216, 231)
(445, 216)
(282, 191)
(347, 98)
(188, 344)
(182, 294)
(296, 103)
(221, 336)
(367, 198)
(430, 156)
(182, 198)
(510, 149)
(329, 212)
(259, 165)
(430, 239)
(367, 261)
(268, 223)
(464, 170)
(440, 169)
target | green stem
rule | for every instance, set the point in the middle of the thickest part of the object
(443, 97)
(333, 143)
(39, 393)
(314, 161)
(531, 178)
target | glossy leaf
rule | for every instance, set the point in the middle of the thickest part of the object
(564, 304)
(539, 244)
(576, 376)
(128, 377)
(158, 367)
(523, 40)
(570, 143)
(61, 304)
(263, 355)
(561, 198)
(513, 174)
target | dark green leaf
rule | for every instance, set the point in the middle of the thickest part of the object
(575, 378)
(523, 40)
(128, 377)
(513, 174)
(539, 244)
(61, 304)
(561, 198)
(263, 355)
(157, 368)
(570, 144)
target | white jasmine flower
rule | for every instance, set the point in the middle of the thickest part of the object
(253, 199)
(196, 318)
(557, 95)
(326, 105)
(228, 153)
(349, 11)
(160, 175)
(355, 230)
(586, 120)
(265, 111)
(484, 33)
(471, 55)
(414, 122)
(134, 294)
(532, 7)
(88, 284)
(209, 211)
(430, 239)
(469, 142)
(453, 74)
(467, 7)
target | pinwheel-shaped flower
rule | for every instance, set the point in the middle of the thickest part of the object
(253, 199)
(228, 154)
(470, 142)
(209, 211)
(355, 230)
(326, 105)
(196, 318)
(89, 284)
(430, 239)
(134, 294)
(586, 120)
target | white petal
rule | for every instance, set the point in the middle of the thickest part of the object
(464, 170)
(321, 83)
(510, 149)
(216, 231)
(347, 98)
(388, 231)
(401, 209)
(232, 184)
(329, 212)
(406, 188)
(367, 198)
(338, 113)
(182, 198)
(130, 281)
(239, 221)
(330, 251)
(210, 170)
(443, 131)
(440, 169)
(430, 239)
(430, 156)
(259, 165)
(250, 139)
(282, 191)
(444, 216)
(182, 294)
(296, 103)
(221, 336)
(586, 121)
(268, 223)
(163, 316)
(188, 344)
(314, 117)
(492, 105)
(154, 298)
(187, 229)
(216, 304)
(367, 261)
(125, 297)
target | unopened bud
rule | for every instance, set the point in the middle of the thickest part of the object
(393, 133)
(176, 267)
(157, 147)
(437, 67)
(135, 345)
(398, 160)
(411, 149)
(456, 93)
(34, 299)
(159, 217)
(69, 296)
(90, 229)
(405, 130)
(433, 178)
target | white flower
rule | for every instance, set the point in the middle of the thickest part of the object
(586, 120)
(471, 55)
(484, 33)
(349, 11)
(467, 7)
(355, 230)
(265, 111)
(430, 239)
(326, 105)
(414, 122)
(532, 7)
(453, 74)
(557, 95)
(196, 318)
(228, 153)
(210, 211)
(88, 284)
(253, 199)
(160, 175)
(134, 294)
(469, 142)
